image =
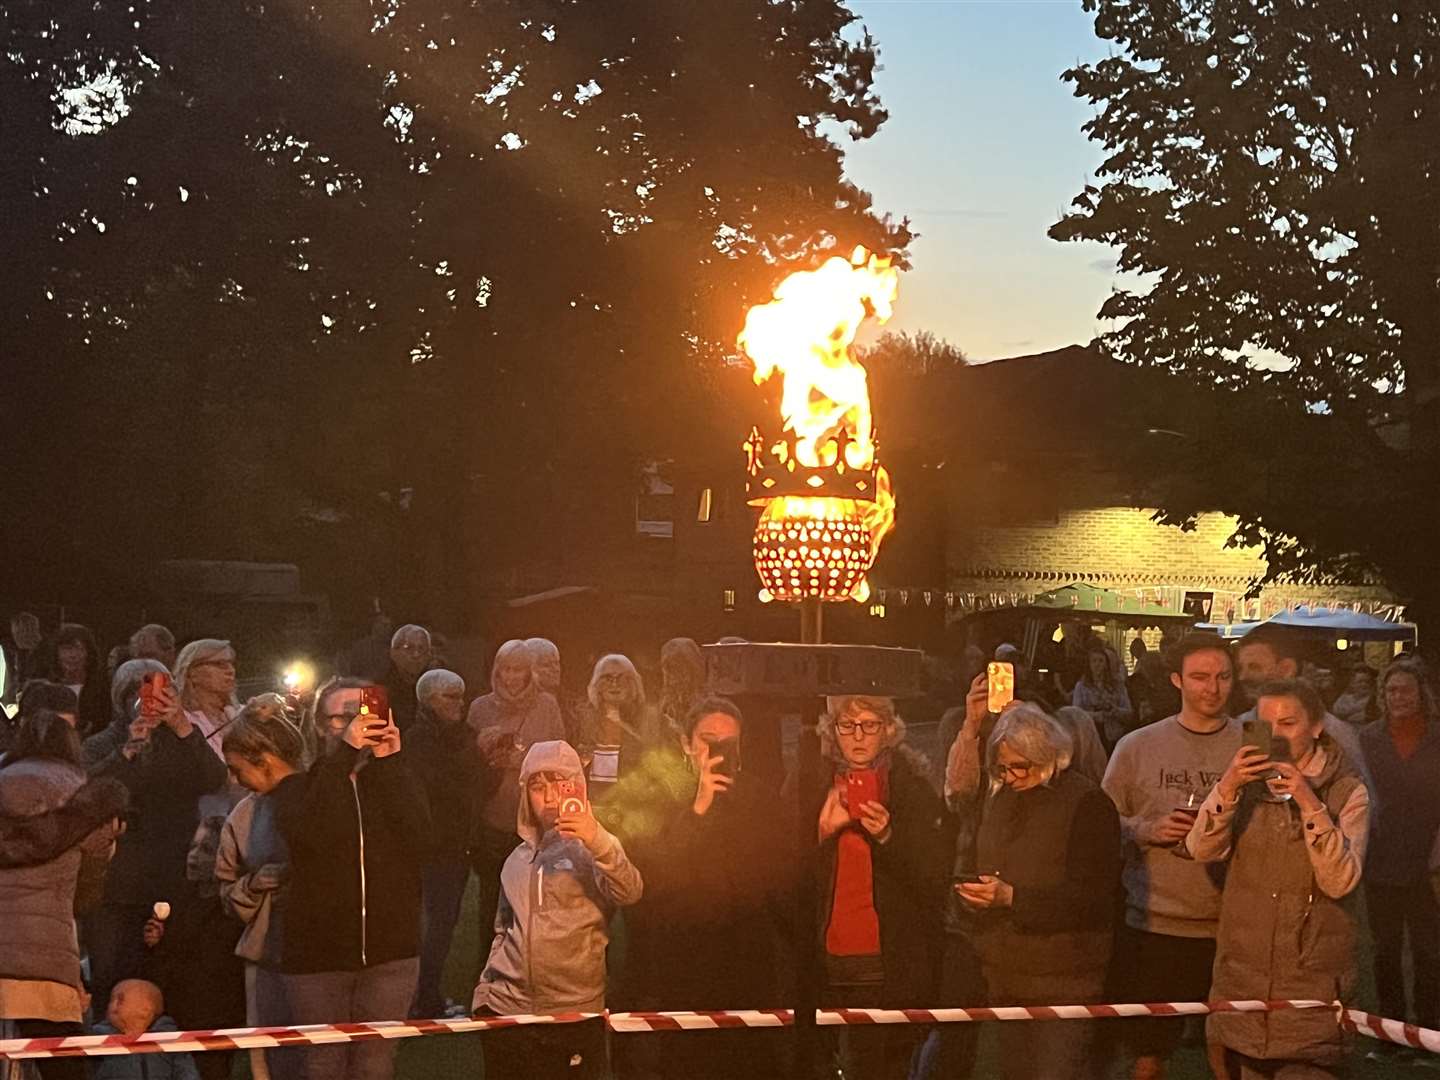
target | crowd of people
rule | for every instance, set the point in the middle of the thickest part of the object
(173, 857)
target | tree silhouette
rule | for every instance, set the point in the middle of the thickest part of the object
(1273, 176)
(408, 288)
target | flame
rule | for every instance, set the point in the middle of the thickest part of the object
(804, 334)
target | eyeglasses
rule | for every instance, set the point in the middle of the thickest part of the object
(869, 727)
(611, 679)
(412, 647)
(1002, 772)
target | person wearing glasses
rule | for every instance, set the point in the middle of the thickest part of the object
(1043, 893)
(617, 727)
(884, 851)
(205, 681)
(357, 828)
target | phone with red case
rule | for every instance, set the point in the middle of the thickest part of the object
(375, 701)
(861, 786)
(151, 683)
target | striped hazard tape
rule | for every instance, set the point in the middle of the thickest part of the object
(177, 1042)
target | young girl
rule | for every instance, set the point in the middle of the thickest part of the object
(262, 749)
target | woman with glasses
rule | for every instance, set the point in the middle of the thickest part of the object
(884, 848)
(1043, 892)
(356, 826)
(205, 680)
(617, 726)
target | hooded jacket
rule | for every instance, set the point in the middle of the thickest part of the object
(54, 844)
(556, 900)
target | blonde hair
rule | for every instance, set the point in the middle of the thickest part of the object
(849, 706)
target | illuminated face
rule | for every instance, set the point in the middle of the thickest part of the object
(1205, 682)
(615, 689)
(547, 672)
(711, 729)
(1014, 769)
(215, 677)
(1287, 719)
(1258, 664)
(448, 705)
(543, 791)
(862, 735)
(1402, 696)
(513, 675)
(337, 710)
(410, 652)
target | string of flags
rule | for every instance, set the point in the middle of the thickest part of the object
(1218, 605)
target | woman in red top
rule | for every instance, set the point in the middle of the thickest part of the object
(883, 865)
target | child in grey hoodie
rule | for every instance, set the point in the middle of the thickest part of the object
(558, 891)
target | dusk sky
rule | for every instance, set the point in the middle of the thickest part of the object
(983, 150)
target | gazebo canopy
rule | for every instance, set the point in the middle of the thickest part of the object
(1086, 599)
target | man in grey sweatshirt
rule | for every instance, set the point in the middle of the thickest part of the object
(558, 891)
(1158, 777)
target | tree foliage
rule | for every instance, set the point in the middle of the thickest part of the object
(1272, 175)
(410, 285)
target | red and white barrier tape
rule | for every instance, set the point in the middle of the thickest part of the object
(251, 1038)
(1377, 1027)
(178, 1042)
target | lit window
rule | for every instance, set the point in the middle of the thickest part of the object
(707, 499)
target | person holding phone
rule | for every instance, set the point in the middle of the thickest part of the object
(559, 890)
(883, 862)
(1165, 951)
(356, 826)
(1042, 894)
(711, 930)
(1291, 821)
(164, 762)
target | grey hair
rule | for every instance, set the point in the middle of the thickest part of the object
(127, 678)
(436, 681)
(1034, 735)
(409, 630)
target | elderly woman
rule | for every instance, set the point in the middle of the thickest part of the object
(164, 762)
(617, 726)
(883, 854)
(444, 757)
(205, 679)
(506, 722)
(1043, 892)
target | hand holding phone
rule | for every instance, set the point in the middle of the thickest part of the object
(1248, 765)
(576, 822)
(1000, 685)
(861, 786)
(153, 685)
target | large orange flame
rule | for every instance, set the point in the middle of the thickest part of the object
(804, 334)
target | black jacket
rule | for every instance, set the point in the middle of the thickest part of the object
(911, 874)
(165, 781)
(713, 928)
(344, 912)
(456, 779)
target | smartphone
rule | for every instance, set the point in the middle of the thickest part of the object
(570, 799)
(729, 751)
(375, 701)
(1000, 679)
(968, 878)
(861, 786)
(1257, 733)
(151, 683)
